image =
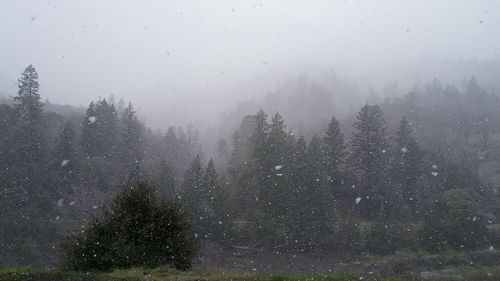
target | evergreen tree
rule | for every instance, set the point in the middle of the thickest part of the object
(99, 130)
(27, 205)
(275, 188)
(259, 143)
(132, 150)
(277, 140)
(298, 183)
(333, 150)
(29, 109)
(407, 163)
(138, 229)
(107, 120)
(89, 131)
(369, 156)
(192, 188)
(318, 203)
(216, 210)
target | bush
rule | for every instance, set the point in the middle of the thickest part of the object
(384, 238)
(454, 222)
(137, 230)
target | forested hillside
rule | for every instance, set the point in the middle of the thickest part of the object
(417, 172)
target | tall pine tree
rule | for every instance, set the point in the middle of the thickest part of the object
(131, 148)
(370, 156)
(29, 109)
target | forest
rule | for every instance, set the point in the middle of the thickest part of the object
(414, 173)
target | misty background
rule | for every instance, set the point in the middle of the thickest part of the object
(194, 61)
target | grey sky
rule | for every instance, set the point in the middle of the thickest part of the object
(184, 51)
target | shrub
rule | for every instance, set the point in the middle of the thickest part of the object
(454, 222)
(137, 230)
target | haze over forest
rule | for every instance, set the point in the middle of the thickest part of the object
(289, 137)
(186, 61)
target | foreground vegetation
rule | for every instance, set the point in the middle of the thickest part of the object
(138, 229)
(164, 274)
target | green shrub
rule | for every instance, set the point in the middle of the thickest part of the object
(454, 222)
(137, 230)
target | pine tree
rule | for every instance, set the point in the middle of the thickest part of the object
(216, 211)
(275, 190)
(369, 155)
(277, 169)
(192, 189)
(318, 199)
(333, 151)
(99, 130)
(407, 162)
(370, 143)
(29, 109)
(89, 131)
(107, 120)
(131, 138)
(28, 202)
(298, 182)
(259, 141)
(242, 176)
(277, 139)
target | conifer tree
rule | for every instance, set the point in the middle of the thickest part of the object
(29, 138)
(277, 139)
(333, 151)
(407, 162)
(137, 230)
(192, 188)
(99, 130)
(318, 199)
(216, 210)
(131, 137)
(275, 188)
(369, 143)
(89, 131)
(298, 183)
(370, 155)
(259, 141)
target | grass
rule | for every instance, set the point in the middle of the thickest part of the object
(166, 274)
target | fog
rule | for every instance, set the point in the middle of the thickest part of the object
(235, 138)
(187, 61)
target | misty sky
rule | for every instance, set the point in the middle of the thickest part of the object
(182, 51)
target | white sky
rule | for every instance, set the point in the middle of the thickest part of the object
(160, 52)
